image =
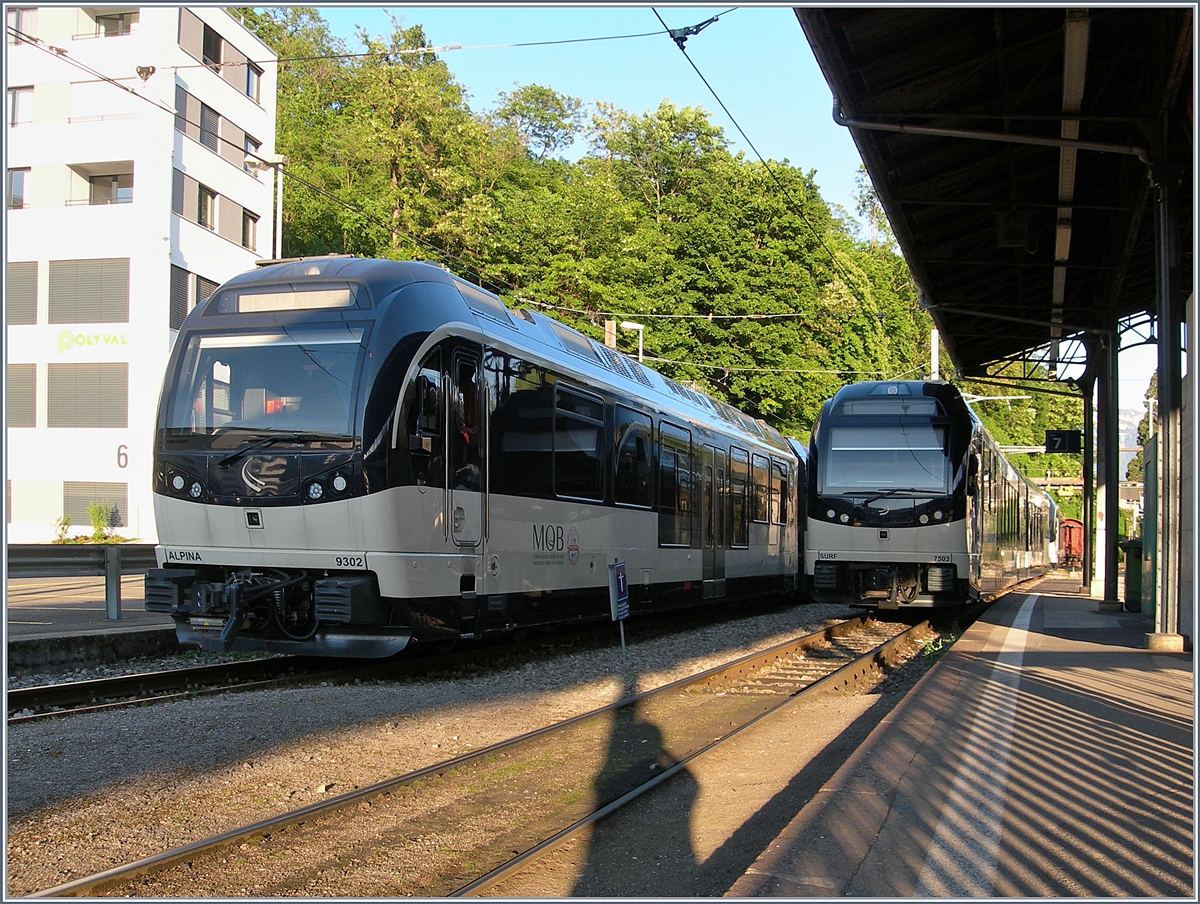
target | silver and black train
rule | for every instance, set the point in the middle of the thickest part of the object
(354, 454)
(912, 504)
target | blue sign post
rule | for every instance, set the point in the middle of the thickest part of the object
(618, 596)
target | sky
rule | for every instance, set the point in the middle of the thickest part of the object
(755, 59)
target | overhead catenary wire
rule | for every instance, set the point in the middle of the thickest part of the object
(679, 36)
(730, 368)
(414, 51)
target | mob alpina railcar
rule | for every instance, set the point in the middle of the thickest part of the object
(354, 454)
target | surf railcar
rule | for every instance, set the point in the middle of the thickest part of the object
(352, 455)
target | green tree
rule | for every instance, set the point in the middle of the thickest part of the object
(545, 120)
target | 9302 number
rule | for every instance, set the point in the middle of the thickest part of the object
(349, 562)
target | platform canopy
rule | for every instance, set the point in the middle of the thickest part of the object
(1043, 214)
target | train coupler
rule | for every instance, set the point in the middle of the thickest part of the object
(237, 616)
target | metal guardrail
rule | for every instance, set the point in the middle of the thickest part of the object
(57, 560)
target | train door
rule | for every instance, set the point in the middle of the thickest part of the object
(712, 497)
(465, 459)
(976, 487)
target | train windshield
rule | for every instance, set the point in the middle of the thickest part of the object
(279, 380)
(893, 454)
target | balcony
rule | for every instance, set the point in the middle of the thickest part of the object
(101, 184)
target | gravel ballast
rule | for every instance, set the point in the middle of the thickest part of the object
(92, 791)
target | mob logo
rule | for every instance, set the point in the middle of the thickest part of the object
(549, 538)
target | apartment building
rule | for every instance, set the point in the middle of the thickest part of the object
(131, 196)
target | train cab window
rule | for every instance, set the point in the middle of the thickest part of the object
(760, 472)
(299, 379)
(633, 439)
(578, 444)
(675, 486)
(779, 492)
(739, 512)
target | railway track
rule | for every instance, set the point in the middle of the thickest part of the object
(68, 698)
(462, 825)
(30, 704)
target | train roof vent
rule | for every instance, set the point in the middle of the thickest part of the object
(482, 302)
(621, 364)
(611, 360)
(639, 372)
(574, 341)
(696, 398)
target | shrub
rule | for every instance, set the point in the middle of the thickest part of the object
(99, 513)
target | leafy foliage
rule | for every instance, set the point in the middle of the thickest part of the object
(748, 284)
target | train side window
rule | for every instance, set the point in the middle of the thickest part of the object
(675, 486)
(421, 414)
(521, 422)
(578, 444)
(760, 472)
(739, 484)
(631, 485)
(779, 492)
(467, 459)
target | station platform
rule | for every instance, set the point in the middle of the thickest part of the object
(1048, 753)
(61, 622)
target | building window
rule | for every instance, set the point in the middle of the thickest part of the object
(212, 47)
(204, 289)
(17, 188)
(210, 125)
(113, 24)
(112, 189)
(22, 395)
(178, 295)
(20, 106)
(206, 207)
(253, 81)
(78, 495)
(249, 230)
(20, 293)
(21, 23)
(253, 146)
(90, 291)
(87, 395)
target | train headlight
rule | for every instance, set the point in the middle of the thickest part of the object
(831, 514)
(339, 483)
(196, 490)
(844, 518)
(939, 515)
(315, 491)
(923, 518)
(178, 483)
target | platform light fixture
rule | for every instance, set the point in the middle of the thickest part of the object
(640, 329)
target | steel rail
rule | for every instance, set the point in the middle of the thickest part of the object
(100, 881)
(743, 666)
(74, 697)
(847, 675)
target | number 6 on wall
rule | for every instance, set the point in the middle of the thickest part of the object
(122, 456)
